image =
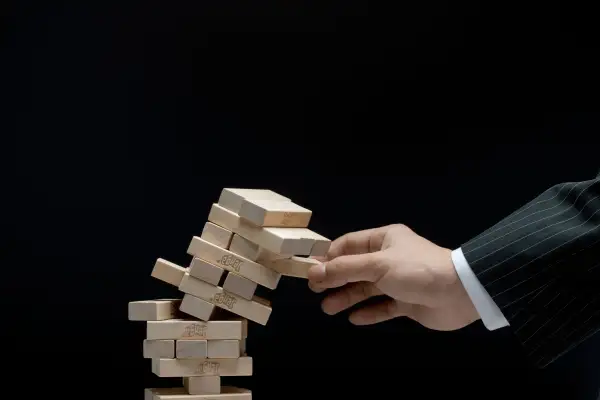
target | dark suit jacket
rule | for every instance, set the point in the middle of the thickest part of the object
(541, 265)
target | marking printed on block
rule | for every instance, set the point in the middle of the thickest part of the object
(191, 329)
(182, 367)
(257, 309)
(224, 258)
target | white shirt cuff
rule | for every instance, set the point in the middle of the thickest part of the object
(490, 314)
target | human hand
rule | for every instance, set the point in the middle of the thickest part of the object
(416, 276)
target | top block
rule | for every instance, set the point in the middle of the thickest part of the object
(279, 240)
(275, 213)
(232, 198)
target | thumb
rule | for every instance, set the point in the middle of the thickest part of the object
(349, 268)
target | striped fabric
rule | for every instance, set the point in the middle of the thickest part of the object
(541, 265)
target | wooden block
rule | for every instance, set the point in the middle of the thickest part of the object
(182, 329)
(202, 384)
(232, 198)
(245, 248)
(257, 309)
(239, 285)
(161, 348)
(195, 348)
(171, 368)
(168, 272)
(283, 241)
(296, 267)
(304, 242)
(206, 271)
(180, 393)
(149, 394)
(232, 262)
(243, 347)
(223, 349)
(321, 243)
(217, 235)
(153, 310)
(196, 307)
(275, 213)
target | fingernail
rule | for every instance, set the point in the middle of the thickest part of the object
(356, 319)
(317, 272)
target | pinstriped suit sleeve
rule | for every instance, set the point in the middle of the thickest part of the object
(541, 267)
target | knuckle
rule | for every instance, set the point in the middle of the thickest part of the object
(375, 259)
(360, 291)
(349, 296)
(378, 264)
(395, 233)
(365, 291)
(335, 247)
(401, 228)
(332, 268)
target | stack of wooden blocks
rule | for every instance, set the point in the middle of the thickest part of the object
(252, 237)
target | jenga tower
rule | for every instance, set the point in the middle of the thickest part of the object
(252, 237)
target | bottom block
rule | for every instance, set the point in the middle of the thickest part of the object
(202, 384)
(227, 393)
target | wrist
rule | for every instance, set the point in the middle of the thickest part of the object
(456, 292)
(449, 276)
(488, 311)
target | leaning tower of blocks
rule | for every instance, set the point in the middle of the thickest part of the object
(252, 237)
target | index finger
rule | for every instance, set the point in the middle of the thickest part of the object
(345, 269)
(359, 242)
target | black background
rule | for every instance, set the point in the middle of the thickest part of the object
(125, 119)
